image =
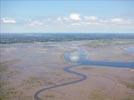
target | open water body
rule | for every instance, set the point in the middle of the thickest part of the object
(80, 56)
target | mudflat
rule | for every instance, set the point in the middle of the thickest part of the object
(26, 68)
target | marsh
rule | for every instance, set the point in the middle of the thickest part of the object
(29, 67)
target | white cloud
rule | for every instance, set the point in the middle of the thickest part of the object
(8, 21)
(91, 18)
(35, 23)
(104, 21)
(117, 20)
(77, 20)
(121, 21)
(59, 19)
(75, 17)
(75, 24)
(66, 19)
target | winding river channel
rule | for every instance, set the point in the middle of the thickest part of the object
(79, 57)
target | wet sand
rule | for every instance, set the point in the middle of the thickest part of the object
(29, 67)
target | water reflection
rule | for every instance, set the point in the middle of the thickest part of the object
(129, 50)
(76, 56)
(81, 56)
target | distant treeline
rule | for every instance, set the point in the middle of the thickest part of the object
(6, 38)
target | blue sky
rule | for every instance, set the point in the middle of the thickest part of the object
(44, 16)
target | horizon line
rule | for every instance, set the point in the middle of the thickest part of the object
(66, 33)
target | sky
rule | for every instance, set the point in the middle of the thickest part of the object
(67, 16)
